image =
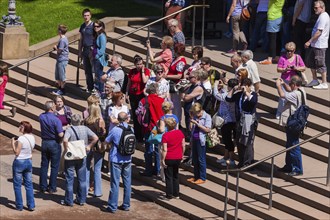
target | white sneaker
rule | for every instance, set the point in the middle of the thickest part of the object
(314, 82)
(221, 160)
(58, 92)
(321, 86)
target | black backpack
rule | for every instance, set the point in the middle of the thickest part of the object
(206, 100)
(298, 120)
(127, 142)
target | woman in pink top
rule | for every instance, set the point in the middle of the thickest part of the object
(4, 76)
(164, 57)
(290, 64)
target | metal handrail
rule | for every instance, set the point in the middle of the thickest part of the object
(163, 18)
(27, 61)
(272, 156)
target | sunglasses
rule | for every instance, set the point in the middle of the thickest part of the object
(289, 51)
(160, 72)
(191, 77)
(96, 26)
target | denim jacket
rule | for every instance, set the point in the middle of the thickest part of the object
(101, 42)
(206, 121)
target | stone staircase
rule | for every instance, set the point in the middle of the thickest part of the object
(301, 197)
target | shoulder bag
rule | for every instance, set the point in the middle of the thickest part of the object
(76, 149)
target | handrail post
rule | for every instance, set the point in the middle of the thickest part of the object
(226, 199)
(328, 170)
(193, 29)
(114, 47)
(147, 56)
(270, 204)
(237, 190)
(203, 24)
(27, 83)
(77, 73)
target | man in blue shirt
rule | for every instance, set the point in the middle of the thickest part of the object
(51, 134)
(120, 165)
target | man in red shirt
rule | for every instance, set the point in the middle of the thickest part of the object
(155, 108)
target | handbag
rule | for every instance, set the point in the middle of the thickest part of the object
(173, 88)
(217, 121)
(212, 138)
(155, 137)
(245, 14)
(76, 149)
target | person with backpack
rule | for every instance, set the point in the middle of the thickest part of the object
(152, 108)
(122, 140)
(294, 97)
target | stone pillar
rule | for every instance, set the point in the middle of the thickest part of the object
(14, 42)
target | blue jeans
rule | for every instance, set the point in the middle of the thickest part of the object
(125, 171)
(88, 68)
(72, 166)
(151, 150)
(98, 158)
(50, 152)
(22, 169)
(293, 160)
(199, 160)
(98, 74)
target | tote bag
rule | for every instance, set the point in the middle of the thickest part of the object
(76, 149)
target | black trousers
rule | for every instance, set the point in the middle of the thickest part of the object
(299, 37)
(172, 178)
(134, 102)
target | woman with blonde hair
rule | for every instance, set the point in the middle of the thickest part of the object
(164, 57)
(95, 122)
(173, 147)
(200, 125)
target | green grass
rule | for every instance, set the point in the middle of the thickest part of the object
(41, 17)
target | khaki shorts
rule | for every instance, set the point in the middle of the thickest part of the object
(316, 59)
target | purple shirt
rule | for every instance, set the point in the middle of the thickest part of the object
(50, 126)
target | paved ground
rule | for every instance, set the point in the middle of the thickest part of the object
(48, 207)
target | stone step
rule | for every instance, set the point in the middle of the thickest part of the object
(204, 199)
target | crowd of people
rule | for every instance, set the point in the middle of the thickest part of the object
(161, 93)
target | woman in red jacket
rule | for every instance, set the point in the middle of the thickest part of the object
(173, 146)
(155, 107)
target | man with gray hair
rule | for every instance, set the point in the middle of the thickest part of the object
(116, 74)
(319, 44)
(177, 34)
(51, 135)
(251, 66)
(74, 133)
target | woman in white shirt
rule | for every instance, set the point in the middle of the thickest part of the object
(22, 166)
(117, 106)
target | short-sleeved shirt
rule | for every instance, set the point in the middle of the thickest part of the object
(275, 9)
(305, 13)
(114, 112)
(263, 6)
(163, 86)
(114, 139)
(284, 62)
(63, 45)
(252, 68)
(180, 3)
(87, 33)
(322, 23)
(105, 103)
(173, 139)
(28, 142)
(83, 132)
(137, 85)
(177, 68)
(50, 126)
(166, 55)
(3, 84)
(178, 37)
(117, 76)
(170, 116)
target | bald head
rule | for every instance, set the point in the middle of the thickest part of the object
(122, 117)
